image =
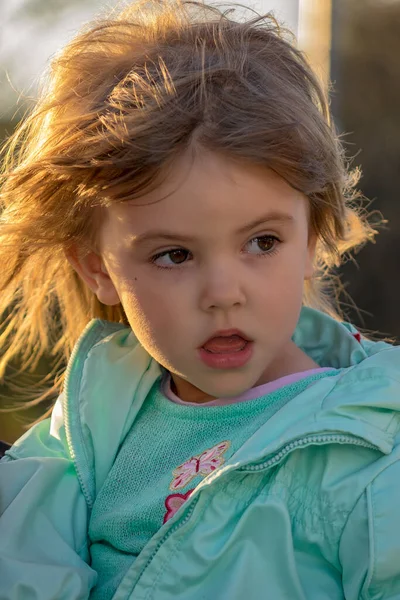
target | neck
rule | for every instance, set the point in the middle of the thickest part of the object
(292, 360)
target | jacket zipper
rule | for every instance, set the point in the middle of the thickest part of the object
(308, 440)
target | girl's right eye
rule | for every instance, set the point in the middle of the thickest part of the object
(177, 253)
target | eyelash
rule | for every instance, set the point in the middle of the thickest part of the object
(266, 254)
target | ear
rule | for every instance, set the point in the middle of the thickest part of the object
(310, 257)
(91, 269)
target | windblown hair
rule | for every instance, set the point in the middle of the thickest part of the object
(123, 100)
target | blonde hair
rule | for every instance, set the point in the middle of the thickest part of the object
(123, 100)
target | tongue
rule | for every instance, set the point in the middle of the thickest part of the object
(233, 343)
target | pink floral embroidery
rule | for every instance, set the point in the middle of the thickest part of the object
(202, 464)
(173, 502)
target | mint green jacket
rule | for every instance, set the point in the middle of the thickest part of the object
(327, 525)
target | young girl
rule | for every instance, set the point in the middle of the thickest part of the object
(179, 194)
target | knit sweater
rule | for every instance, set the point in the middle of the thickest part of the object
(168, 451)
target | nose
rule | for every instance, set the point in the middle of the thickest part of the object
(222, 287)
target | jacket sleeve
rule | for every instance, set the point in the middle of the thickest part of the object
(370, 544)
(43, 519)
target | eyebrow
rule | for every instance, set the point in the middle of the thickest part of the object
(276, 217)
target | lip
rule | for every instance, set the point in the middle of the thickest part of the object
(227, 333)
(228, 360)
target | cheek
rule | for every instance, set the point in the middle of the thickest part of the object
(151, 311)
(284, 276)
(280, 293)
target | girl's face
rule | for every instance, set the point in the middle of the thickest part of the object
(226, 247)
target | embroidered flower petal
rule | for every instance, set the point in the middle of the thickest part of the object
(173, 502)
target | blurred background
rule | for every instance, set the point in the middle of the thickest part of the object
(355, 43)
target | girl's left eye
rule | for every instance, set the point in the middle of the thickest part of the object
(267, 243)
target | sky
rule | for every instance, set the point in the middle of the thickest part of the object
(27, 44)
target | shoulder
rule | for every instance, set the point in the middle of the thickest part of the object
(367, 395)
(374, 372)
(107, 380)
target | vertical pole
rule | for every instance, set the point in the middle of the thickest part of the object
(314, 35)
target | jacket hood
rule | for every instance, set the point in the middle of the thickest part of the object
(110, 375)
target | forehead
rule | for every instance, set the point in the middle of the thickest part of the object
(208, 193)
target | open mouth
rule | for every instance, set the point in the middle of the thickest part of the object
(225, 344)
